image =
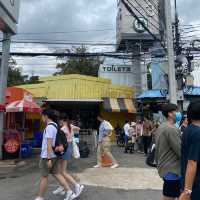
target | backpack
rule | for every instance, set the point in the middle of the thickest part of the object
(150, 160)
(61, 143)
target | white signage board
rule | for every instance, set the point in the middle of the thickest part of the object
(9, 14)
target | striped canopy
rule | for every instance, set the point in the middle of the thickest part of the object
(23, 106)
(119, 105)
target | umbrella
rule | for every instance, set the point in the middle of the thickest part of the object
(23, 106)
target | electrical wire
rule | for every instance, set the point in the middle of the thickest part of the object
(63, 32)
(139, 5)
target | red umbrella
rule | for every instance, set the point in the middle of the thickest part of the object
(23, 106)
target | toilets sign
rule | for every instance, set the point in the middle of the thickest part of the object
(117, 69)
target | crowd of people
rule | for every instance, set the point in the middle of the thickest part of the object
(177, 152)
(173, 146)
(136, 136)
(176, 143)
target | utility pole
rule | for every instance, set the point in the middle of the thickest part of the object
(170, 50)
(177, 34)
(3, 80)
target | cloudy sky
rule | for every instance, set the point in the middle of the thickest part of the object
(81, 20)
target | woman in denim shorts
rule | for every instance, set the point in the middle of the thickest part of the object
(68, 129)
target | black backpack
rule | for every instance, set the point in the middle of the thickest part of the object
(61, 143)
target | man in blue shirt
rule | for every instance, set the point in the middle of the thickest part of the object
(190, 161)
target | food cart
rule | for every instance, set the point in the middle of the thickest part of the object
(14, 144)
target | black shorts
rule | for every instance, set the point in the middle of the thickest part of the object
(172, 188)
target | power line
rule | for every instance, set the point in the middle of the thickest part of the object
(155, 5)
(190, 25)
(63, 43)
(64, 32)
(156, 13)
(75, 55)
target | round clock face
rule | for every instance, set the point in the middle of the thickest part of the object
(12, 2)
(138, 27)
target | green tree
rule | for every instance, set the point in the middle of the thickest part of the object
(33, 80)
(79, 65)
(15, 76)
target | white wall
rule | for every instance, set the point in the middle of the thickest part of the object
(118, 74)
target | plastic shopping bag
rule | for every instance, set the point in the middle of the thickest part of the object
(76, 152)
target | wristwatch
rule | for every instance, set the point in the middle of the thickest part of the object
(48, 159)
(187, 192)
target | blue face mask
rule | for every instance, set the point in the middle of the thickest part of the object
(178, 116)
(178, 119)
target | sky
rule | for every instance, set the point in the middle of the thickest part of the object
(47, 16)
(40, 16)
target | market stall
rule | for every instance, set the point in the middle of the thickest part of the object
(17, 127)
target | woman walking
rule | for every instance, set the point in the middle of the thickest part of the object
(68, 129)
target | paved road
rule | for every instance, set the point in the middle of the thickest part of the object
(132, 181)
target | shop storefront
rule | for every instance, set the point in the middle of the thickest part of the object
(84, 97)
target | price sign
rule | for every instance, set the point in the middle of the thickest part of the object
(12, 146)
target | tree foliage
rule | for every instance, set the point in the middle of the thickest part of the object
(15, 76)
(83, 65)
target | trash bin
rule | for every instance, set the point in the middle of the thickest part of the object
(26, 150)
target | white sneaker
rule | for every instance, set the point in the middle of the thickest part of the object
(97, 166)
(63, 193)
(114, 166)
(59, 190)
(70, 196)
(73, 196)
(79, 190)
(39, 198)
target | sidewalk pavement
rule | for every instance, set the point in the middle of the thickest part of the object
(18, 167)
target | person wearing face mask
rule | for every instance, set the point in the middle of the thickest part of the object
(178, 119)
(168, 152)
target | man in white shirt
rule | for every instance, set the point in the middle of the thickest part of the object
(104, 144)
(49, 162)
(126, 131)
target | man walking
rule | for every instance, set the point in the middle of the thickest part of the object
(190, 158)
(168, 153)
(104, 145)
(49, 163)
(147, 135)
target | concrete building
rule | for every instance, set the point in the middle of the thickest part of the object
(130, 31)
(133, 37)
